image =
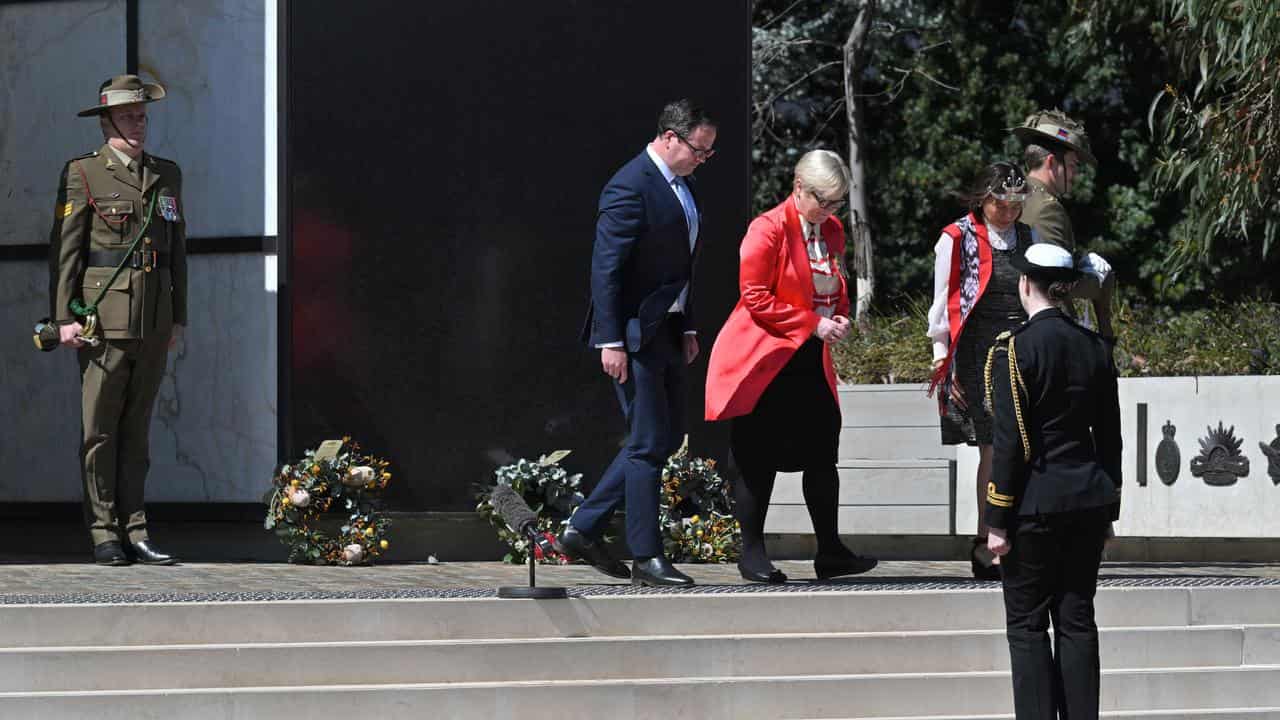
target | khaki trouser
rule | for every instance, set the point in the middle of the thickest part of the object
(119, 381)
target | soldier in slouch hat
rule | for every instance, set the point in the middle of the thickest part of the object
(118, 288)
(1055, 145)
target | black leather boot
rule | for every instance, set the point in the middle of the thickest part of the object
(574, 545)
(657, 572)
(148, 554)
(110, 552)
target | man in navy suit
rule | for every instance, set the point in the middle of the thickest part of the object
(647, 232)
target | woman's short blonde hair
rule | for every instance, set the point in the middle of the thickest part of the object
(824, 172)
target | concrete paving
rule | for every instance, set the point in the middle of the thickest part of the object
(82, 578)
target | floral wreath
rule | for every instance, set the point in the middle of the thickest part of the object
(551, 492)
(334, 476)
(695, 514)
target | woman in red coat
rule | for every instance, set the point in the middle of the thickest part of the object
(770, 371)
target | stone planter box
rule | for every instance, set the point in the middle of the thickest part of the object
(1180, 504)
(898, 479)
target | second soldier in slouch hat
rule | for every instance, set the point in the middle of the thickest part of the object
(118, 288)
(1055, 487)
(1054, 146)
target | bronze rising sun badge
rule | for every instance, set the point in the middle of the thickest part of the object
(1220, 461)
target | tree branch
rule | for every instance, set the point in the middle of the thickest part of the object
(781, 15)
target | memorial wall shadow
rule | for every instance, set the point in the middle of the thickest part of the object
(443, 164)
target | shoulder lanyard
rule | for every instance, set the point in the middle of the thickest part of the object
(80, 308)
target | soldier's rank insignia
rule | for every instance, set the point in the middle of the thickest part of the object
(67, 209)
(169, 208)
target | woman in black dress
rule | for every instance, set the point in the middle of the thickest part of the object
(975, 299)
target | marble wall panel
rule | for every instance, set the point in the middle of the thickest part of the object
(1189, 507)
(209, 56)
(39, 395)
(214, 428)
(52, 57)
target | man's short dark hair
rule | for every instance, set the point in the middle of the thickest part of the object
(1034, 155)
(683, 116)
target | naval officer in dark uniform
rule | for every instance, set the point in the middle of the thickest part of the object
(1055, 488)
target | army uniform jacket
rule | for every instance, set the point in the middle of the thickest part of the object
(100, 209)
(1044, 212)
(1058, 449)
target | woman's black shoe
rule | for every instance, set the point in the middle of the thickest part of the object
(831, 566)
(983, 569)
(773, 577)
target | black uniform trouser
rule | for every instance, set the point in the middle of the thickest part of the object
(1051, 573)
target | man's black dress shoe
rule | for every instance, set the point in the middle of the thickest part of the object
(657, 572)
(830, 566)
(773, 577)
(576, 546)
(147, 554)
(109, 553)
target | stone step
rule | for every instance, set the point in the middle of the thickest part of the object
(877, 497)
(871, 405)
(878, 482)
(786, 519)
(469, 661)
(827, 696)
(893, 442)
(694, 613)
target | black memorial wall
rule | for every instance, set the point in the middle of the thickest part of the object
(442, 164)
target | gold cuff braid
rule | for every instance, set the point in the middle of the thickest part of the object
(997, 499)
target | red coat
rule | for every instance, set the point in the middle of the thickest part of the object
(774, 315)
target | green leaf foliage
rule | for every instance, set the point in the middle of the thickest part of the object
(1225, 338)
(946, 79)
(1216, 119)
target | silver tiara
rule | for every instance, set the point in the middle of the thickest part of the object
(1012, 187)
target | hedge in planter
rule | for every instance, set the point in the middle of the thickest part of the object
(1226, 339)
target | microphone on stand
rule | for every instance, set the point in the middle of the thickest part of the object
(515, 512)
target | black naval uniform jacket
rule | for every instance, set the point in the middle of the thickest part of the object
(1070, 414)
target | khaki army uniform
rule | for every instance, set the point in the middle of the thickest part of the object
(1044, 212)
(102, 205)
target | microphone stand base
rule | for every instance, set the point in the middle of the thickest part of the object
(532, 593)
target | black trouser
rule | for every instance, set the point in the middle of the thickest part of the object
(652, 400)
(1052, 572)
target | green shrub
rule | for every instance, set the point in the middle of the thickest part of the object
(1227, 339)
(890, 349)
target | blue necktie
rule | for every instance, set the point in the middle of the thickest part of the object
(690, 211)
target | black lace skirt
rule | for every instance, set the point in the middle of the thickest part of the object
(972, 425)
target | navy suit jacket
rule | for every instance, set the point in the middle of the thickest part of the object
(641, 259)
